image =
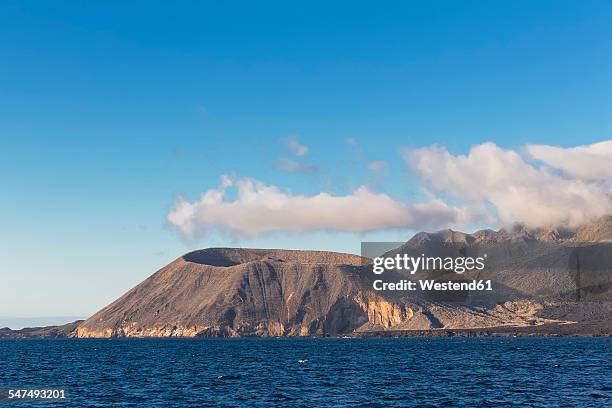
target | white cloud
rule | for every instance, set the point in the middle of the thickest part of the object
(589, 162)
(519, 191)
(259, 208)
(291, 166)
(489, 185)
(378, 165)
(295, 147)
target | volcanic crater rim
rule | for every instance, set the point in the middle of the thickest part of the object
(227, 257)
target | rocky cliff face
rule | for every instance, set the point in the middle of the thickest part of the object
(541, 277)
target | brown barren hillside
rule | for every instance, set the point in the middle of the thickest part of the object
(246, 292)
(545, 281)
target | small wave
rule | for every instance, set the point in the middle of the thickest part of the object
(228, 377)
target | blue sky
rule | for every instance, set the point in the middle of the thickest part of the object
(110, 111)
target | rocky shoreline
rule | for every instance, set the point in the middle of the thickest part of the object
(588, 329)
(578, 329)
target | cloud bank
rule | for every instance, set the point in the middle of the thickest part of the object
(519, 191)
(259, 208)
(590, 162)
(491, 185)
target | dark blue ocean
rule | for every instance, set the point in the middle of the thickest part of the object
(536, 372)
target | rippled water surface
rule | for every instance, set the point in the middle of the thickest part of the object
(545, 372)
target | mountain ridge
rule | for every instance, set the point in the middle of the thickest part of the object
(543, 278)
